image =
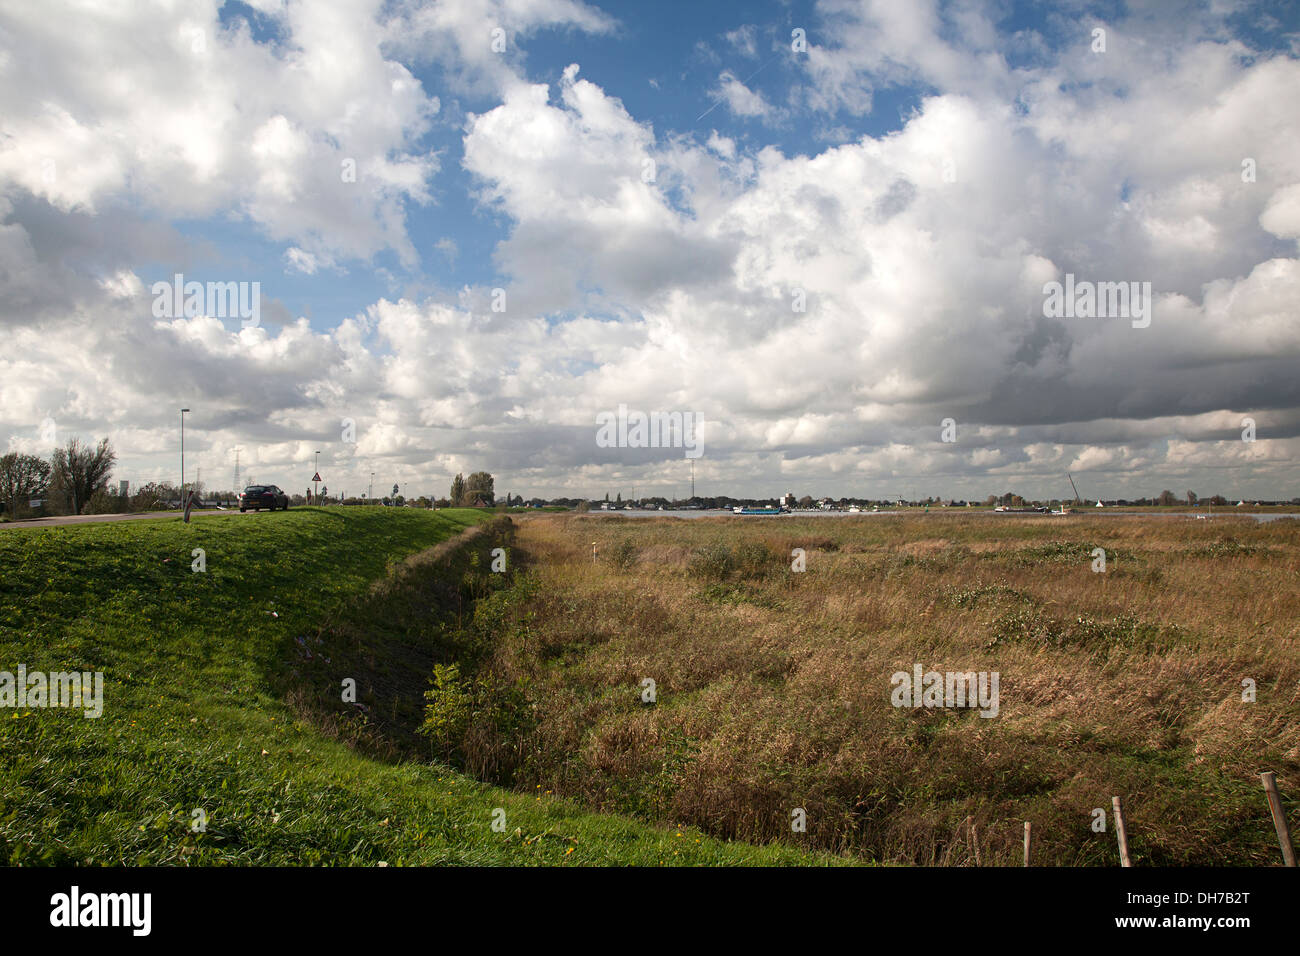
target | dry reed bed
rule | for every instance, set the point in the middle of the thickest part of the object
(774, 686)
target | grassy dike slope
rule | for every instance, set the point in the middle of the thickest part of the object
(195, 716)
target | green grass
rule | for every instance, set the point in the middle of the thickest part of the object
(195, 715)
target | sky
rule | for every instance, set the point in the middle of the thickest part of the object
(825, 230)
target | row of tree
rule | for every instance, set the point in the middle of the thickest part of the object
(74, 477)
(1166, 499)
(75, 480)
(476, 492)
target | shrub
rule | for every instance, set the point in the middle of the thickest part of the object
(972, 596)
(714, 562)
(104, 502)
(477, 723)
(755, 560)
(623, 556)
(448, 712)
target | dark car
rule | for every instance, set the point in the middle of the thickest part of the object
(258, 497)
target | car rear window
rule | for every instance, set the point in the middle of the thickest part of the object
(254, 489)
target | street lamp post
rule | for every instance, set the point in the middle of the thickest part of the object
(314, 483)
(371, 492)
(183, 411)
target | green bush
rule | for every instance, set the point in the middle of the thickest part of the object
(750, 560)
(467, 718)
(449, 711)
(713, 563)
(623, 556)
(754, 560)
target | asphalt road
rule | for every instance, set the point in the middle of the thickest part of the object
(54, 522)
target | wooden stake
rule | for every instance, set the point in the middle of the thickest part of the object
(1029, 841)
(1279, 818)
(1120, 832)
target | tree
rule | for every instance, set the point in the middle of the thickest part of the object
(457, 494)
(1191, 498)
(22, 477)
(479, 487)
(152, 495)
(79, 471)
(1167, 498)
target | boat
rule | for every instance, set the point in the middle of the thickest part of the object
(756, 511)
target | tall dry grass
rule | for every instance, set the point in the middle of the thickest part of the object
(773, 687)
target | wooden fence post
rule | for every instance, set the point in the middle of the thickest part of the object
(1029, 841)
(1279, 818)
(1120, 832)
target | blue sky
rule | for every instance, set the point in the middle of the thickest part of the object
(662, 62)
